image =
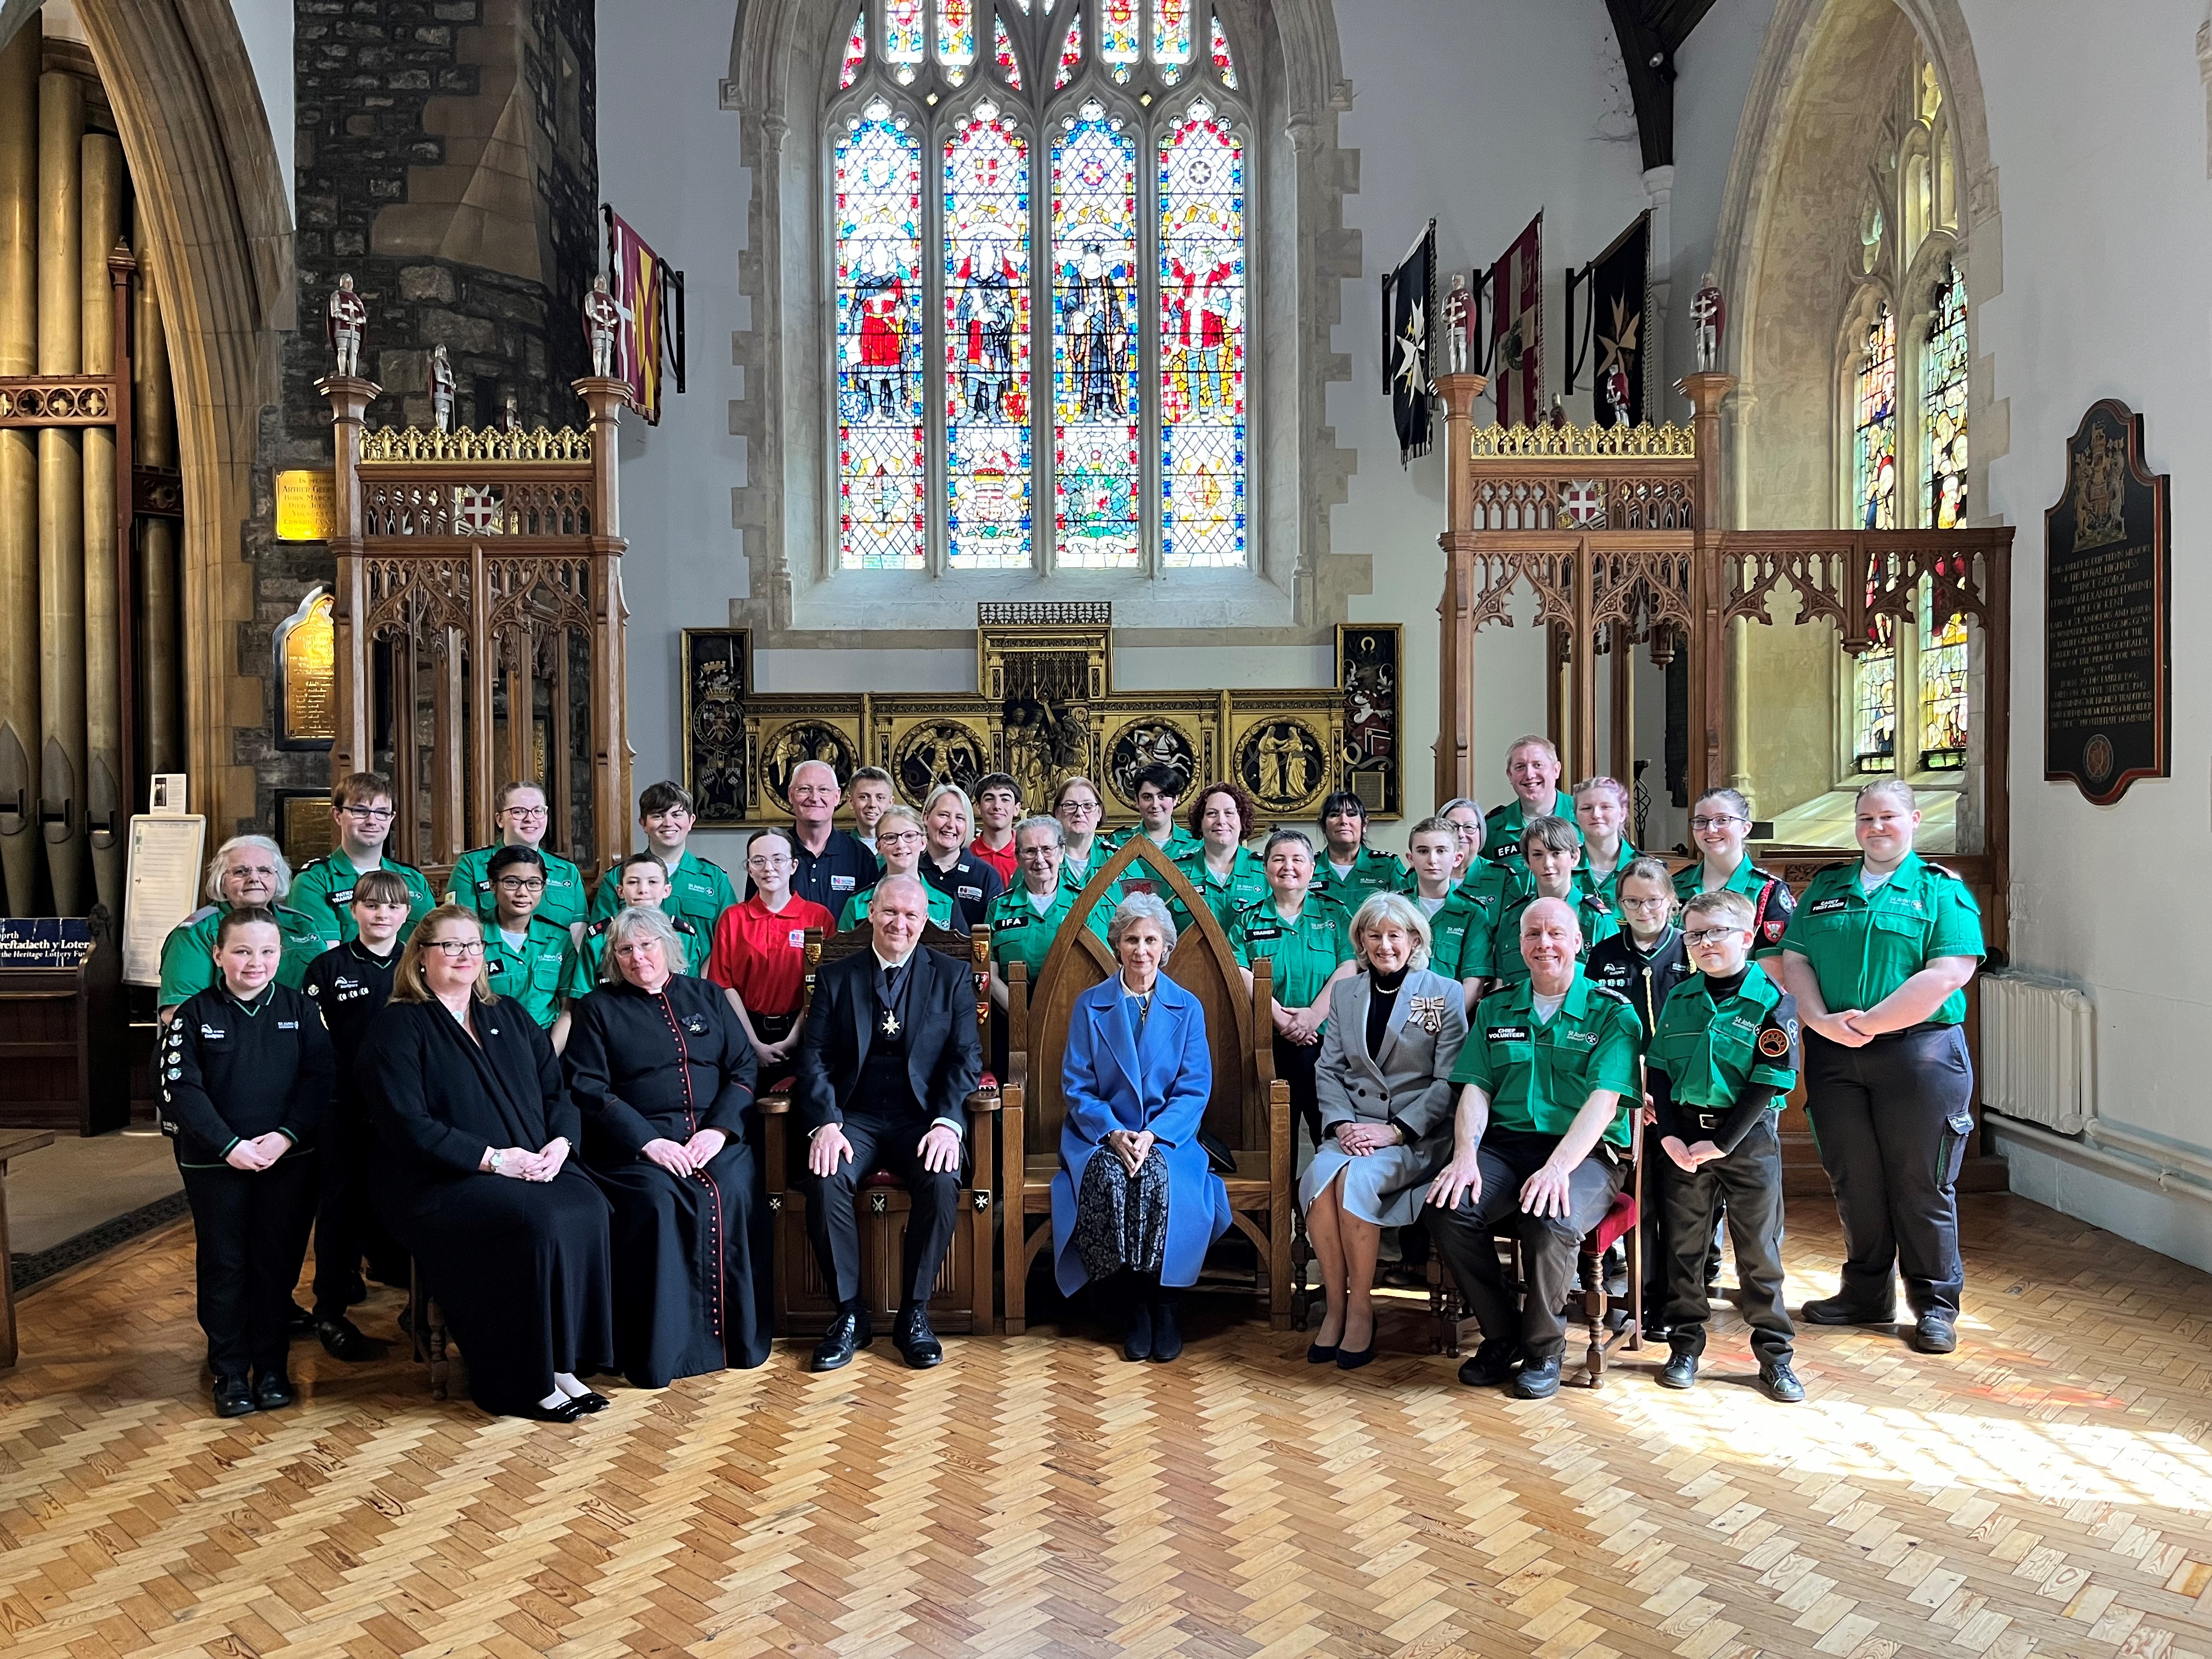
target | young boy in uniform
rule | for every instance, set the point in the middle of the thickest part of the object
(869, 793)
(642, 880)
(361, 806)
(698, 890)
(1724, 1058)
(1460, 917)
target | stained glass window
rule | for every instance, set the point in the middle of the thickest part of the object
(1202, 238)
(1873, 742)
(987, 342)
(1070, 50)
(956, 36)
(1943, 703)
(1117, 36)
(879, 383)
(1874, 428)
(1009, 65)
(856, 50)
(1094, 341)
(1172, 37)
(902, 37)
(1223, 65)
(1943, 406)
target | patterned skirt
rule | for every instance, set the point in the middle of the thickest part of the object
(1121, 1219)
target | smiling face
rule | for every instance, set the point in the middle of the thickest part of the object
(1468, 823)
(1221, 824)
(768, 862)
(249, 878)
(517, 891)
(1720, 831)
(643, 884)
(1386, 946)
(1551, 939)
(453, 958)
(1885, 827)
(642, 959)
(1156, 808)
(869, 796)
(1553, 868)
(379, 922)
(667, 830)
(522, 821)
(363, 822)
(1290, 869)
(1645, 905)
(897, 914)
(814, 794)
(247, 958)
(899, 842)
(1534, 772)
(1040, 858)
(948, 827)
(996, 806)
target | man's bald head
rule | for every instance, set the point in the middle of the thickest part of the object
(1551, 939)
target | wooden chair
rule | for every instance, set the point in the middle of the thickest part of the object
(426, 1323)
(1250, 1111)
(960, 1302)
(1609, 1320)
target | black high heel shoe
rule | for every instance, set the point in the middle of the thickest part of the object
(1316, 1354)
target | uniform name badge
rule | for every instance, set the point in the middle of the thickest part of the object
(797, 939)
(840, 883)
(1427, 1012)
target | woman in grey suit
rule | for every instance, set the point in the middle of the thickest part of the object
(1384, 1083)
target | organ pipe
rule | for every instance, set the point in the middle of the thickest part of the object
(18, 472)
(101, 820)
(154, 443)
(61, 495)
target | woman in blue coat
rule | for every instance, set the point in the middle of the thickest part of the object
(1135, 1203)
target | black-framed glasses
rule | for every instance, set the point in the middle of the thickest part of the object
(1720, 823)
(1627, 904)
(456, 950)
(368, 814)
(521, 884)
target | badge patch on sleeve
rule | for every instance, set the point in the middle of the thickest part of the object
(1773, 930)
(1774, 1043)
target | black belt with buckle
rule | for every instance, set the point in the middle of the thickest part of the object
(1709, 1120)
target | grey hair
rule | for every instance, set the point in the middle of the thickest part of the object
(1392, 906)
(627, 924)
(1140, 907)
(1284, 837)
(1042, 821)
(920, 887)
(213, 886)
(1468, 801)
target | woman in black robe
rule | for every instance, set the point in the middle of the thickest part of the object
(473, 1176)
(662, 1072)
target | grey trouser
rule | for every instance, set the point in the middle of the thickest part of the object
(1464, 1235)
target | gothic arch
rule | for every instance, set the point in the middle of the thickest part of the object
(204, 166)
(783, 60)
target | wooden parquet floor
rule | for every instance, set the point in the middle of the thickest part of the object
(2046, 1490)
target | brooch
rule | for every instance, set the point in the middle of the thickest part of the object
(1427, 1012)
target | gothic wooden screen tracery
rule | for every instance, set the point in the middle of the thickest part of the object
(1059, 223)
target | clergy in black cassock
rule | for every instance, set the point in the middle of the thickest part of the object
(662, 1072)
(473, 1177)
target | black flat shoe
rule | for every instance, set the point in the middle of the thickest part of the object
(567, 1412)
(344, 1339)
(847, 1334)
(1781, 1383)
(232, 1397)
(1935, 1332)
(1167, 1335)
(917, 1344)
(1538, 1379)
(1487, 1366)
(1680, 1371)
(273, 1393)
(1137, 1337)
(1834, 1310)
(299, 1321)
(1318, 1355)
(588, 1404)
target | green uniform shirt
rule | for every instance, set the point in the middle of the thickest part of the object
(1608, 887)
(1372, 872)
(1597, 916)
(1863, 946)
(1539, 1076)
(580, 965)
(1502, 827)
(1303, 953)
(1709, 1050)
(530, 974)
(188, 953)
(324, 891)
(856, 908)
(1750, 881)
(1017, 931)
(698, 891)
(1247, 883)
(1180, 840)
(470, 886)
(1459, 933)
(1074, 875)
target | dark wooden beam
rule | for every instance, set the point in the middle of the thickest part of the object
(1650, 33)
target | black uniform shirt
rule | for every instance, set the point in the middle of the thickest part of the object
(233, 1071)
(829, 877)
(1616, 963)
(350, 985)
(972, 885)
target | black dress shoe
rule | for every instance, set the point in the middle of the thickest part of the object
(344, 1339)
(567, 1412)
(1487, 1366)
(588, 1404)
(272, 1392)
(1834, 1310)
(1538, 1379)
(1167, 1335)
(1780, 1381)
(917, 1344)
(299, 1321)
(1346, 1360)
(232, 1397)
(1936, 1332)
(1137, 1333)
(1318, 1355)
(847, 1334)
(1680, 1371)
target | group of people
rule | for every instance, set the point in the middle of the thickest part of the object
(542, 1096)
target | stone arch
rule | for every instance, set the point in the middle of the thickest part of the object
(778, 85)
(205, 167)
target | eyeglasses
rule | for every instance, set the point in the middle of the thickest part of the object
(521, 884)
(1080, 806)
(1645, 904)
(368, 814)
(260, 870)
(1720, 823)
(769, 861)
(1712, 935)
(457, 950)
(526, 812)
(900, 837)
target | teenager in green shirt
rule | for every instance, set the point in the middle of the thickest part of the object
(522, 820)
(901, 835)
(1159, 790)
(1601, 817)
(361, 806)
(523, 951)
(698, 889)
(640, 879)
(1551, 850)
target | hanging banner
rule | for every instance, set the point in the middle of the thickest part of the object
(1617, 285)
(1409, 304)
(649, 293)
(1517, 328)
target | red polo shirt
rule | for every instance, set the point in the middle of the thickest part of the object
(1004, 860)
(761, 954)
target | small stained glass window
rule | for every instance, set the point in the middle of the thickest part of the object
(1070, 50)
(902, 37)
(1874, 428)
(1874, 724)
(1002, 46)
(856, 50)
(1943, 406)
(1943, 699)
(1223, 65)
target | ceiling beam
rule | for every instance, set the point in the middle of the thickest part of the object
(1650, 33)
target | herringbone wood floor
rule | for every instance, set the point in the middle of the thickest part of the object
(2048, 1489)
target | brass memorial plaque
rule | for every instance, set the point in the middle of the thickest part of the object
(304, 650)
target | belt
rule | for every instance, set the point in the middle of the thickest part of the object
(1925, 1026)
(1708, 1120)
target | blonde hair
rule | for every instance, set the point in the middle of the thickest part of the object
(905, 815)
(967, 807)
(1732, 909)
(641, 919)
(1532, 741)
(1391, 907)
(408, 983)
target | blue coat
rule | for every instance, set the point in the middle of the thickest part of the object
(1109, 1083)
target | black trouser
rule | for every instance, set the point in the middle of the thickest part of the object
(1749, 1181)
(345, 1228)
(1294, 1064)
(1892, 1121)
(931, 1207)
(250, 1230)
(1465, 1238)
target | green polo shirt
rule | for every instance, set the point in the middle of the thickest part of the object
(1502, 827)
(1460, 932)
(1597, 916)
(1749, 880)
(1539, 1076)
(1072, 875)
(188, 953)
(1017, 931)
(1608, 887)
(580, 965)
(1372, 872)
(470, 886)
(1863, 946)
(698, 891)
(531, 972)
(1247, 883)
(1180, 840)
(324, 892)
(856, 908)
(1303, 953)
(1709, 1050)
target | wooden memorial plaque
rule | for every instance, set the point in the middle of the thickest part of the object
(2107, 688)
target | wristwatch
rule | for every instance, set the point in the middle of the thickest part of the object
(492, 1160)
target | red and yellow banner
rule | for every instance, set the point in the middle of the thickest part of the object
(637, 277)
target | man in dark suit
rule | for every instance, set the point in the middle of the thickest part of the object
(885, 1067)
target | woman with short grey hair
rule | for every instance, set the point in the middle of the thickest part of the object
(1384, 1080)
(633, 922)
(247, 872)
(1141, 907)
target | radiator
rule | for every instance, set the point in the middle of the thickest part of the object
(2039, 1052)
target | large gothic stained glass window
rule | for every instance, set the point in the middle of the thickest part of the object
(1874, 426)
(1063, 226)
(1943, 406)
(880, 456)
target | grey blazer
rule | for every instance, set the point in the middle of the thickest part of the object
(1411, 1081)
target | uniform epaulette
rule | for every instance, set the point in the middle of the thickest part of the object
(681, 926)
(1607, 991)
(313, 863)
(598, 927)
(283, 910)
(201, 915)
(1943, 870)
(394, 863)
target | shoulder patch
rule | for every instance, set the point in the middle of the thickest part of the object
(201, 915)
(1937, 869)
(1774, 1043)
(598, 927)
(1607, 991)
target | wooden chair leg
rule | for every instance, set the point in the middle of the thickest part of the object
(1593, 1298)
(427, 1321)
(437, 1323)
(1300, 1253)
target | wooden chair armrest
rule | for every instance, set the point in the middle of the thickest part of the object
(984, 1103)
(772, 1105)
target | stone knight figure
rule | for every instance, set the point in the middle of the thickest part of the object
(1708, 317)
(602, 317)
(442, 389)
(346, 316)
(1455, 332)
